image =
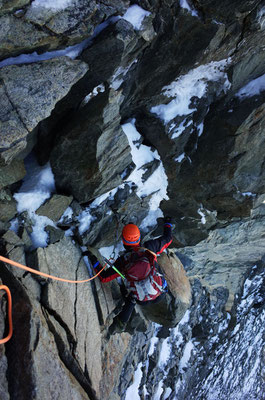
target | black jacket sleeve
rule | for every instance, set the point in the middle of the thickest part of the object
(110, 274)
(161, 243)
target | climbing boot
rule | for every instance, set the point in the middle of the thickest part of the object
(117, 326)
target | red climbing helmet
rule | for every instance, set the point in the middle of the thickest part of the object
(131, 235)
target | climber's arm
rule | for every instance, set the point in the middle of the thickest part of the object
(161, 243)
(106, 275)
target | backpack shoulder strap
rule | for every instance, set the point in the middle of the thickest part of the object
(149, 251)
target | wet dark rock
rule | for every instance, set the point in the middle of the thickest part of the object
(44, 29)
(249, 173)
(55, 235)
(33, 97)
(7, 6)
(8, 208)
(11, 173)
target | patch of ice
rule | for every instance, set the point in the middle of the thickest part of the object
(253, 88)
(71, 52)
(135, 15)
(193, 84)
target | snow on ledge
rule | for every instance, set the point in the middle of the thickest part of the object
(52, 4)
(71, 51)
(184, 4)
(193, 84)
(135, 15)
(253, 88)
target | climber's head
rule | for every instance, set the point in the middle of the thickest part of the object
(131, 235)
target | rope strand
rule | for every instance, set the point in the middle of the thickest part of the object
(55, 278)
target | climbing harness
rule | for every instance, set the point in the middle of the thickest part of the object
(33, 271)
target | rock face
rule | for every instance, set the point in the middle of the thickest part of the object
(29, 97)
(135, 111)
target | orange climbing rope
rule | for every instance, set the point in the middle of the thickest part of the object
(55, 278)
(6, 339)
(34, 271)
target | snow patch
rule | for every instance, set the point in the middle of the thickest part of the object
(153, 343)
(180, 129)
(156, 184)
(186, 356)
(37, 187)
(164, 352)
(57, 5)
(201, 213)
(132, 391)
(119, 74)
(159, 391)
(193, 84)
(135, 15)
(253, 88)
(184, 4)
(167, 393)
(180, 158)
(85, 218)
(112, 252)
(200, 129)
(98, 89)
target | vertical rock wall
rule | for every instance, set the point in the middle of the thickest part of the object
(189, 76)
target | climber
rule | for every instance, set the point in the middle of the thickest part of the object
(144, 284)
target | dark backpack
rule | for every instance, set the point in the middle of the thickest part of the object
(143, 280)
